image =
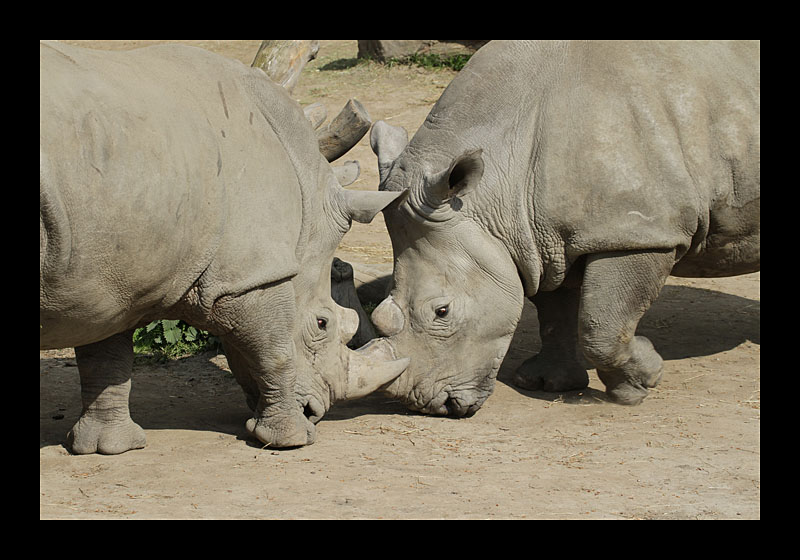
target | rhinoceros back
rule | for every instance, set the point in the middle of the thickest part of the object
(664, 152)
(158, 174)
(609, 146)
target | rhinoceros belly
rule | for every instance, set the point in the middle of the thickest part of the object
(732, 246)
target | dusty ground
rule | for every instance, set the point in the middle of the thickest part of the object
(691, 450)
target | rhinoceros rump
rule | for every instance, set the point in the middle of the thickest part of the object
(175, 183)
(580, 175)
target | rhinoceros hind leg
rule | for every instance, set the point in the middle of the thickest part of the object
(105, 425)
(560, 365)
(618, 288)
(286, 432)
(630, 383)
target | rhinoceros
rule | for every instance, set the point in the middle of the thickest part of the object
(579, 175)
(175, 183)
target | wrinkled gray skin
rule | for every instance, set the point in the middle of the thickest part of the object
(579, 175)
(175, 183)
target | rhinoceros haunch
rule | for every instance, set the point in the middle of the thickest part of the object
(577, 174)
(178, 184)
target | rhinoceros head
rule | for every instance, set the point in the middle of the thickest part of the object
(456, 296)
(332, 371)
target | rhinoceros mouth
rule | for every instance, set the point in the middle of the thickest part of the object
(458, 407)
(459, 401)
(452, 404)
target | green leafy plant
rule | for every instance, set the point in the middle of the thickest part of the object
(431, 60)
(170, 338)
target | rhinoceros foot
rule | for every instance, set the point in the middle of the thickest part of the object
(550, 373)
(629, 383)
(284, 432)
(91, 435)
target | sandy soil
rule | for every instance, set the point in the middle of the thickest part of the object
(690, 451)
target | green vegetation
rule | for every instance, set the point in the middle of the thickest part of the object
(168, 339)
(430, 60)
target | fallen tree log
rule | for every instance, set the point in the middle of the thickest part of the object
(283, 61)
(344, 131)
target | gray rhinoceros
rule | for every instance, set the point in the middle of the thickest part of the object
(577, 174)
(175, 183)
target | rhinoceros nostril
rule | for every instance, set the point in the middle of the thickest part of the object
(313, 411)
(457, 407)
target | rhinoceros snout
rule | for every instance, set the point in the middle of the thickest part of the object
(455, 405)
(459, 407)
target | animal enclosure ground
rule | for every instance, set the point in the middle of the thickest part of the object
(690, 450)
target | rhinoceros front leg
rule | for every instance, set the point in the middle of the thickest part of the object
(241, 372)
(261, 354)
(105, 425)
(618, 287)
(560, 365)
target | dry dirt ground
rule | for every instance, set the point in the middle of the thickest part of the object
(691, 450)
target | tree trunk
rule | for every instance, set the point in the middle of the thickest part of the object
(283, 61)
(344, 131)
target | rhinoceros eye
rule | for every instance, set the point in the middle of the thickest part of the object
(442, 311)
(322, 323)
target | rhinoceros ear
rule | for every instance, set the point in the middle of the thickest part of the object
(363, 206)
(465, 172)
(461, 178)
(387, 142)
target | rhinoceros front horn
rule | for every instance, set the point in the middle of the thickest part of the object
(370, 367)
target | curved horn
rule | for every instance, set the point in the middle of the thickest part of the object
(362, 206)
(369, 368)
